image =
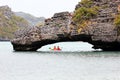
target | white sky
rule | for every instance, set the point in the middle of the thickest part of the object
(39, 8)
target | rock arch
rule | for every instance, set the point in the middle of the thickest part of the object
(102, 34)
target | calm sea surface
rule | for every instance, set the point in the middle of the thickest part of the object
(76, 61)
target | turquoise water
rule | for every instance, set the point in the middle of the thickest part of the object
(77, 61)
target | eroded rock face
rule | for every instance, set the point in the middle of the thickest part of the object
(56, 29)
(101, 32)
(9, 23)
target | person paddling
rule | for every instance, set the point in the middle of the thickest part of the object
(55, 48)
(58, 48)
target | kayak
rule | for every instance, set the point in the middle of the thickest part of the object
(55, 49)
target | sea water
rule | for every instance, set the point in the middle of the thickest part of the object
(76, 61)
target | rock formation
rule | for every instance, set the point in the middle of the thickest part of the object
(56, 29)
(98, 24)
(9, 23)
(102, 31)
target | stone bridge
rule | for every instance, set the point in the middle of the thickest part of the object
(102, 35)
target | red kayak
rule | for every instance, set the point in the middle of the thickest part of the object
(55, 48)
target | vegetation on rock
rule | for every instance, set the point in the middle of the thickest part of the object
(83, 14)
(86, 3)
(117, 20)
(34, 21)
(9, 23)
(94, 21)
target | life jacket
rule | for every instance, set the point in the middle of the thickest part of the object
(58, 48)
(55, 48)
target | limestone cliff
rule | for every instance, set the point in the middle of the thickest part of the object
(56, 29)
(94, 21)
(9, 23)
(103, 27)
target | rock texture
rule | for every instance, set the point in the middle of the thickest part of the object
(101, 32)
(9, 23)
(56, 29)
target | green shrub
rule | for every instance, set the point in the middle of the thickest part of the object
(86, 3)
(117, 20)
(84, 13)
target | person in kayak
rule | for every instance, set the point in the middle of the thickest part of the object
(58, 48)
(54, 48)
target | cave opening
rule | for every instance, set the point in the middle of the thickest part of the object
(69, 46)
